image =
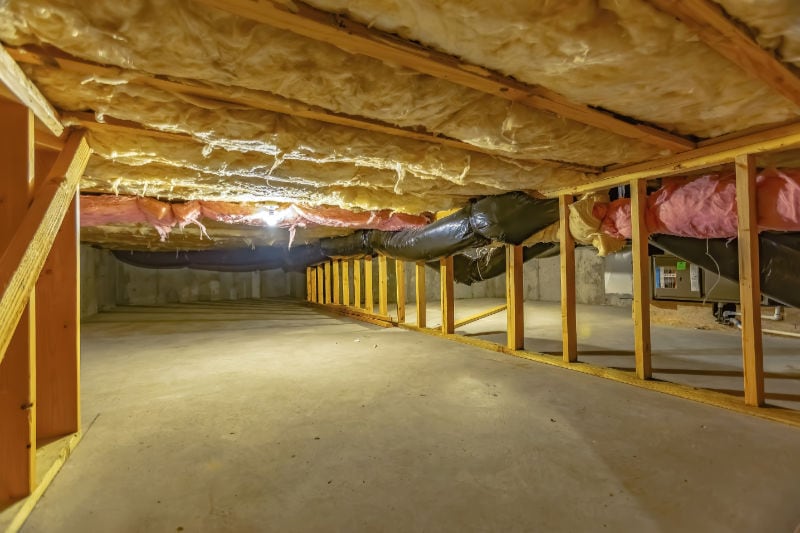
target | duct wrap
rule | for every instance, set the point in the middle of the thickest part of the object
(779, 256)
(481, 264)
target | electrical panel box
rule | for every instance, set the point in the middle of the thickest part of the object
(676, 279)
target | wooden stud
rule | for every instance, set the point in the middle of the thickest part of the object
(708, 20)
(480, 316)
(641, 280)
(308, 284)
(336, 281)
(58, 333)
(320, 285)
(515, 316)
(400, 274)
(383, 285)
(569, 340)
(369, 295)
(311, 273)
(23, 90)
(421, 297)
(346, 282)
(749, 280)
(357, 38)
(18, 350)
(447, 295)
(357, 297)
(328, 296)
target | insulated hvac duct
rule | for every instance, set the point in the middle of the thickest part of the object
(779, 256)
(481, 264)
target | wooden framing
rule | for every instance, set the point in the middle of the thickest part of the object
(336, 282)
(421, 297)
(256, 99)
(515, 315)
(400, 275)
(369, 294)
(328, 296)
(714, 28)
(357, 298)
(308, 284)
(447, 295)
(749, 280)
(14, 83)
(481, 315)
(311, 278)
(383, 285)
(357, 38)
(320, 285)
(346, 282)
(641, 280)
(569, 342)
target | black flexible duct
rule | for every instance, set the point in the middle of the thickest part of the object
(481, 264)
(779, 254)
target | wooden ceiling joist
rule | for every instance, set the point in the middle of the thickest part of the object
(357, 38)
(717, 30)
(777, 139)
(264, 102)
(15, 84)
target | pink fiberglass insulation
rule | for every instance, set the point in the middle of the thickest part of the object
(705, 207)
(108, 209)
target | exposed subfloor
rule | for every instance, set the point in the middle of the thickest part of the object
(270, 416)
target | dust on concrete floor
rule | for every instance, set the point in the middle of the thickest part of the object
(269, 416)
(700, 358)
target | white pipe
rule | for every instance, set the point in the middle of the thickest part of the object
(777, 316)
(781, 333)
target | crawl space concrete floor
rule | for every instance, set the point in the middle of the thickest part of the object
(271, 416)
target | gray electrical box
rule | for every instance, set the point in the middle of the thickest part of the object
(676, 279)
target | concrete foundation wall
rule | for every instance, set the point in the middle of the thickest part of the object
(98, 281)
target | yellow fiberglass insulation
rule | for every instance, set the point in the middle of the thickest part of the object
(622, 55)
(776, 22)
(185, 39)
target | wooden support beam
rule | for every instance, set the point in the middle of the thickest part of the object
(421, 297)
(327, 268)
(346, 282)
(256, 99)
(336, 281)
(357, 38)
(447, 295)
(320, 285)
(310, 288)
(514, 298)
(58, 410)
(569, 340)
(479, 316)
(357, 297)
(369, 294)
(641, 280)
(708, 20)
(25, 92)
(749, 280)
(383, 285)
(25, 255)
(400, 274)
(711, 153)
(17, 320)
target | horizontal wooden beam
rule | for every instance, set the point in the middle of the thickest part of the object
(357, 38)
(708, 20)
(781, 138)
(22, 261)
(23, 89)
(479, 316)
(265, 102)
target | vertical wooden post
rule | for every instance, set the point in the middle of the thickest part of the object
(400, 274)
(312, 274)
(18, 366)
(58, 333)
(448, 306)
(346, 282)
(515, 310)
(569, 342)
(357, 268)
(308, 284)
(749, 280)
(320, 285)
(327, 268)
(336, 282)
(421, 297)
(369, 296)
(641, 280)
(383, 286)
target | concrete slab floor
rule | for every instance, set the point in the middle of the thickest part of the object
(268, 416)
